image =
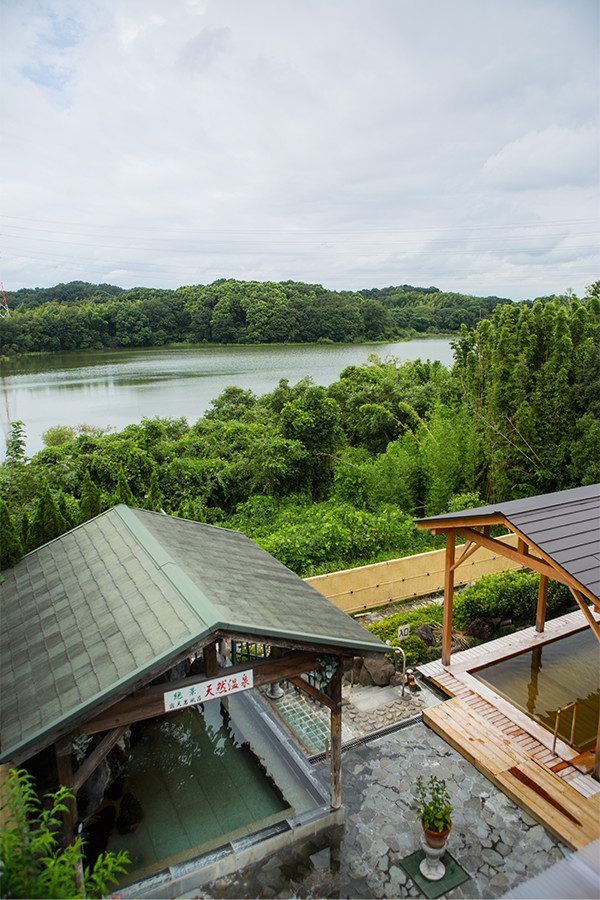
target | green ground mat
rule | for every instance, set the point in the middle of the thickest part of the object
(432, 889)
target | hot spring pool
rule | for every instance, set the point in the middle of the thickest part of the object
(197, 781)
(546, 678)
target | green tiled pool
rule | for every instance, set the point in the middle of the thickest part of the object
(197, 780)
(304, 721)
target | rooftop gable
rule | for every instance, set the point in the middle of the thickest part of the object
(113, 601)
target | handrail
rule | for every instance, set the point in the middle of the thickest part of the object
(572, 705)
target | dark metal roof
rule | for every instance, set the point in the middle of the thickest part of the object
(564, 526)
(93, 611)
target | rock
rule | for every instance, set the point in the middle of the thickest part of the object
(91, 794)
(364, 678)
(425, 632)
(380, 670)
(482, 629)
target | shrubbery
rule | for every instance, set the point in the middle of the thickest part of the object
(509, 595)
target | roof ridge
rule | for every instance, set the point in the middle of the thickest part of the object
(187, 589)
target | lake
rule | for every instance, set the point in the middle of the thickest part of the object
(117, 387)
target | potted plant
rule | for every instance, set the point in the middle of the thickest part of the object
(435, 809)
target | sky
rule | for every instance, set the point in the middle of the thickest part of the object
(348, 143)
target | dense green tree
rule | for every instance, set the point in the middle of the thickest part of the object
(89, 504)
(123, 493)
(11, 548)
(47, 522)
(314, 420)
(154, 498)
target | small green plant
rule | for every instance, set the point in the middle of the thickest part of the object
(433, 803)
(32, 862)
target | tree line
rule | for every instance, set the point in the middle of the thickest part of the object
(328, 478)
(82, 316)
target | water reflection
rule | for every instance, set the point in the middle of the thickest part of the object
(116, 388)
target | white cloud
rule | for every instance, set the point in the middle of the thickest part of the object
(353, 143)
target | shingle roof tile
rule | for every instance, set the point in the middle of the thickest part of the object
(91, 612)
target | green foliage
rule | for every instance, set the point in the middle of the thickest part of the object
(154, 498)
(47, 522)
(509, 595)
(58, 434)
(33, 862)
(78, 315)
(123, 493)
(15, 444)
(433, 803)
(416, 650)
(11, 548)
(89, 505)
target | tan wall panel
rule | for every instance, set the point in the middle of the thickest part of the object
(355, 590)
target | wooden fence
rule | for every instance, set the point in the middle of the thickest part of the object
(368, 587)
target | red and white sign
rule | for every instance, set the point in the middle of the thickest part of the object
(208, 690)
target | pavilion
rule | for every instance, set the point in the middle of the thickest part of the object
(94, 621)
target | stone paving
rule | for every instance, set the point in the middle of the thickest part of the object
(496, 843)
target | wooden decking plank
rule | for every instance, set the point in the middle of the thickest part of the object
(554, 802)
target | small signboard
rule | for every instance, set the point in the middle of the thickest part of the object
(208, 690)
(403, 631)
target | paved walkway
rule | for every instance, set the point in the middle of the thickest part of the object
(497, 844)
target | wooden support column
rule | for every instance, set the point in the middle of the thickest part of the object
(211, 665)
(63, 750)
(448, 597)
(540, 618)
(336, 738)
(64, 767)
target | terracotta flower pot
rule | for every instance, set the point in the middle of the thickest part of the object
(436, 839)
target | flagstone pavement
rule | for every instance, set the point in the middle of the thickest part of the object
(497, 844)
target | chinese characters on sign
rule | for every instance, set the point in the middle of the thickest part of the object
(208, 690)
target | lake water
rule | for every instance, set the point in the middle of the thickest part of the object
(115, 388)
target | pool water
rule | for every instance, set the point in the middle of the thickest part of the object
(548, 677)
(196, 780)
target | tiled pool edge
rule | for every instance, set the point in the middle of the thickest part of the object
(180, 880)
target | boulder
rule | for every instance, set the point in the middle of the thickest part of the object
(380, 670)
(425, 632)
(482, 629)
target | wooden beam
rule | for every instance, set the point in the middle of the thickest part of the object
(150, 703)
(540, 616)
(92, 762)
(312, 691)
(467, 550)
(448, 597)
(530, 562)
(335, 687)
(581, 600)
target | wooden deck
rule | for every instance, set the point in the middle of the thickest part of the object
(509, 747)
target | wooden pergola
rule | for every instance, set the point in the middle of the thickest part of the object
(95, 622)
(558, 536)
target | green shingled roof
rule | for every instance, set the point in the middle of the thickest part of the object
(95, 610)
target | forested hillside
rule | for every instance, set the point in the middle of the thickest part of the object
(326, 478)
(80, 316)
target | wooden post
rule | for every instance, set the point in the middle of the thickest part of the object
(64, 767)
(448, 597)
(540, 618)
(211, 666)
(336, 738)
(597, 758)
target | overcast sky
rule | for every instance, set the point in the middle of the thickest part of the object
(351, 143)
